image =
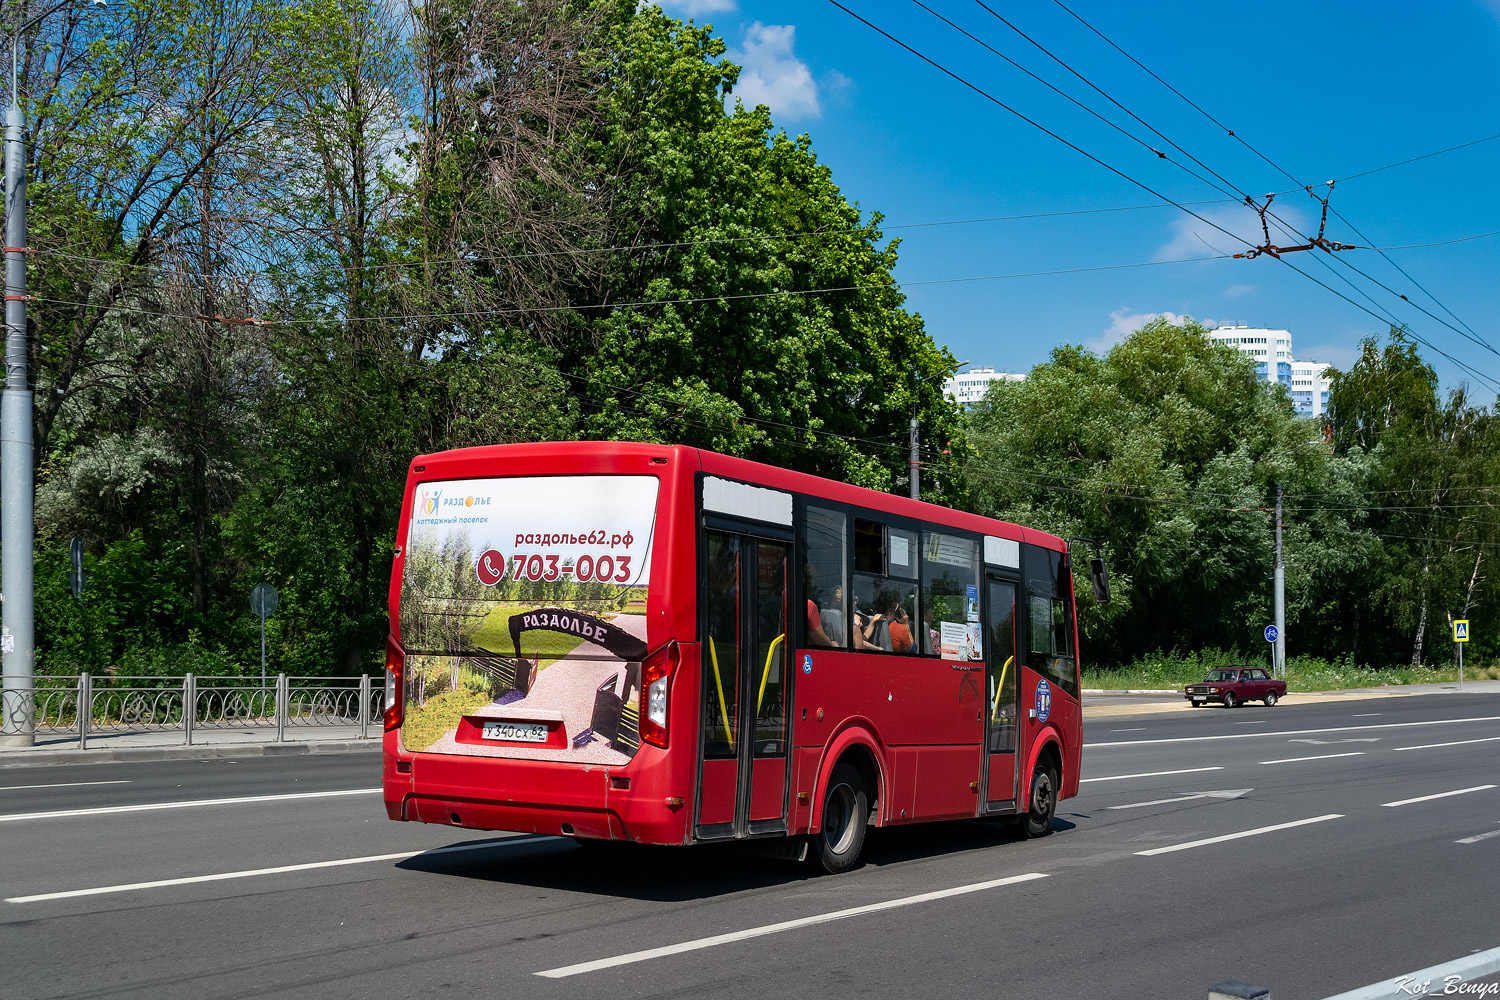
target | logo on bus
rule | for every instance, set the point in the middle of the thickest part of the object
(1043, 701)
(429, 502)
(806, 663)
(490, 568)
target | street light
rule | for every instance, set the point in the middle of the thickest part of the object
(916, 469)
(17, 525)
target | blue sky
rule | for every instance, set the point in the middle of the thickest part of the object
(1321, 90)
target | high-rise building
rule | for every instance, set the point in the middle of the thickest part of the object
(969, 387)
(1271, 350)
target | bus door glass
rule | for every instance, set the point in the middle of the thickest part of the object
(1001, 668)
(745, 689)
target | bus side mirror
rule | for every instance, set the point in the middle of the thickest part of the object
(1099, 576)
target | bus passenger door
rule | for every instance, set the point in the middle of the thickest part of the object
(746, 689)
(1001, 668)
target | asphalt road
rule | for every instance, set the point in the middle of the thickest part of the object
(1345, 883)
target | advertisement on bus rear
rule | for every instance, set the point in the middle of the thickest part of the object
(523, 616)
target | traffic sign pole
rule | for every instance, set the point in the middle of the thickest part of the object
(1460, 638)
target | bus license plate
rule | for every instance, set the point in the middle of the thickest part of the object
(516, 732)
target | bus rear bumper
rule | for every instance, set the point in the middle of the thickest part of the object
(527, 797)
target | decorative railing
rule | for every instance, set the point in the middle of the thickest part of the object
(83, 705)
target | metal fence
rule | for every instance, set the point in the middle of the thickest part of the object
(83, 705)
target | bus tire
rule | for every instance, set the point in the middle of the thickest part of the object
(846, 810)
(1041, 801)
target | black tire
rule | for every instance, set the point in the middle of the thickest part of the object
(1041, 801)
(1270, 699)
(1230, 701)
(846, 812)
(1196, 704)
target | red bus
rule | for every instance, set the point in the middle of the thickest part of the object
(665, 645)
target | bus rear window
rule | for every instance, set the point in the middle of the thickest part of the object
(523, 616)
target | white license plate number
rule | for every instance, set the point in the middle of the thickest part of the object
(516, 732)
(1200, 697)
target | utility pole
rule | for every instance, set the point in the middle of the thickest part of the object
(1280, 586)
(916, 470)
(17, 638)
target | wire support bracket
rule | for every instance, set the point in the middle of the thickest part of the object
(1318, 242)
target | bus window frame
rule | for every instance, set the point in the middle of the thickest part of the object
(851, 511)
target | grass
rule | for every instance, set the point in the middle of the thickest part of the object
(1161, 671)
(493, 634)
(438, 715)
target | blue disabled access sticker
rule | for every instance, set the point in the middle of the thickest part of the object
(1043, 701)
(806, 663)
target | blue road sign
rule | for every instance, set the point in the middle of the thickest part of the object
(1271, 633)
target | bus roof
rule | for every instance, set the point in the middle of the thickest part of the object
(550, 457)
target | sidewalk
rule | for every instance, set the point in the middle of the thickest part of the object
(1106, 704)
(61, 748)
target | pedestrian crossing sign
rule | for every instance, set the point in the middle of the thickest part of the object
(1461, 630)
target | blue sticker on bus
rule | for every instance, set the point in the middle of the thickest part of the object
(806, 663)
(1043, 701)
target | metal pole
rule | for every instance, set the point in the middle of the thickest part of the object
(1460, 666)
(916, 472)
(1280, 595)
(262, 652)
(85, 708)
(364, 706)
(281, 707)
(18, 724)
(189, 706)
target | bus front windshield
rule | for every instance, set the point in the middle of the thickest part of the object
(523, 605)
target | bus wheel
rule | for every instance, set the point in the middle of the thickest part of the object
(846, 809)
(1043, 804)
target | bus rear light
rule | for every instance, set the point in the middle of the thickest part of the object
(656, 681)
(395, 693)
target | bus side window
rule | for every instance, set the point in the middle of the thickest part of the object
(1049, 621)
(950, 597)
(825, 572)
(885, 587)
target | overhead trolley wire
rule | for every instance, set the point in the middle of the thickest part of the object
(1145, 187)
(1467, 332)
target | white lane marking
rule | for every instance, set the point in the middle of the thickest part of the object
(65, 784)
(1290, 732)
(786, 925)
(1228, 793)
(280, 869)
(1149, 774)
(1459, 743)
(1469, 967)
(1439, 795)
(1255, 722)
(194, 803)
(1237, 836)
(1326, 756)
(1142, 729)
(1367, 715)
(1479, 837)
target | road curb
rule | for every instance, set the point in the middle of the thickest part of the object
(33, 758)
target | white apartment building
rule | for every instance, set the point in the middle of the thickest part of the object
(969, 387)
(1271, 350)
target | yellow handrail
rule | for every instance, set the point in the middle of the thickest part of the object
(713, 654)
(765, 674)
(995, 713)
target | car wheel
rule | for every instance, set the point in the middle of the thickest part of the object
(1042, 802)
(1196, 704)
(1230, 701)
(1270, 699)
(846, 810)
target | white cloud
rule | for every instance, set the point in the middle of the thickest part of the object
(1193, 237)
(697, 8)
(772, 75)
(1237, 291)
(1123, 323)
